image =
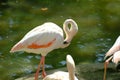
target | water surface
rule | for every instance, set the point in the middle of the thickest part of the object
(98, 23)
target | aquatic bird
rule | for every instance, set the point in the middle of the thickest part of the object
(114, 48)
(113, 54)
(61, 75)
(45, 38)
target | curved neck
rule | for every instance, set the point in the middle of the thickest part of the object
(70, 32)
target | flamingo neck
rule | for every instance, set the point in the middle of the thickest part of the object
(71, 76)
(70, 67)
(70, 32)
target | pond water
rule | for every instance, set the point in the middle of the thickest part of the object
(98, 23)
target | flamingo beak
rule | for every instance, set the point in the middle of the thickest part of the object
(107, 57)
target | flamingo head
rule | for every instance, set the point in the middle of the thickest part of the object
(71, 28)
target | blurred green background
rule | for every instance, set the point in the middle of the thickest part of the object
(98, 21)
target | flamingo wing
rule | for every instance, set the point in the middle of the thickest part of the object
(116, 57)
(60, 75)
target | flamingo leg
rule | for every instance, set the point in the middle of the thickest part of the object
(43, 68)
(105, 67)
(37, 72)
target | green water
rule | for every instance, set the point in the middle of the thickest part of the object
(98, 21)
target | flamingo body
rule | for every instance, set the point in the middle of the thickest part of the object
(114, 53)
(59, 75)
(41, 39)
(116, 57)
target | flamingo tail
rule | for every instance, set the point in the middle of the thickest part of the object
(16, 47)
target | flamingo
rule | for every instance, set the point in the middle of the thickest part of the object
(45, 38)
(61, 75)
(114, 54)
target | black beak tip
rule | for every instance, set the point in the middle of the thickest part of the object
(106, 57)
(65, 42)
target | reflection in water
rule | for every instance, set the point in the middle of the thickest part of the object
(98, 29)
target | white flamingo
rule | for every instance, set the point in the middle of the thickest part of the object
(114, 54)
(61, 75)
(45, 38)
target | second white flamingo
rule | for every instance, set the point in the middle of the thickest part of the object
(61, 75)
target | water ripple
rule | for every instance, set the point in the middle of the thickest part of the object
(62, 63)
